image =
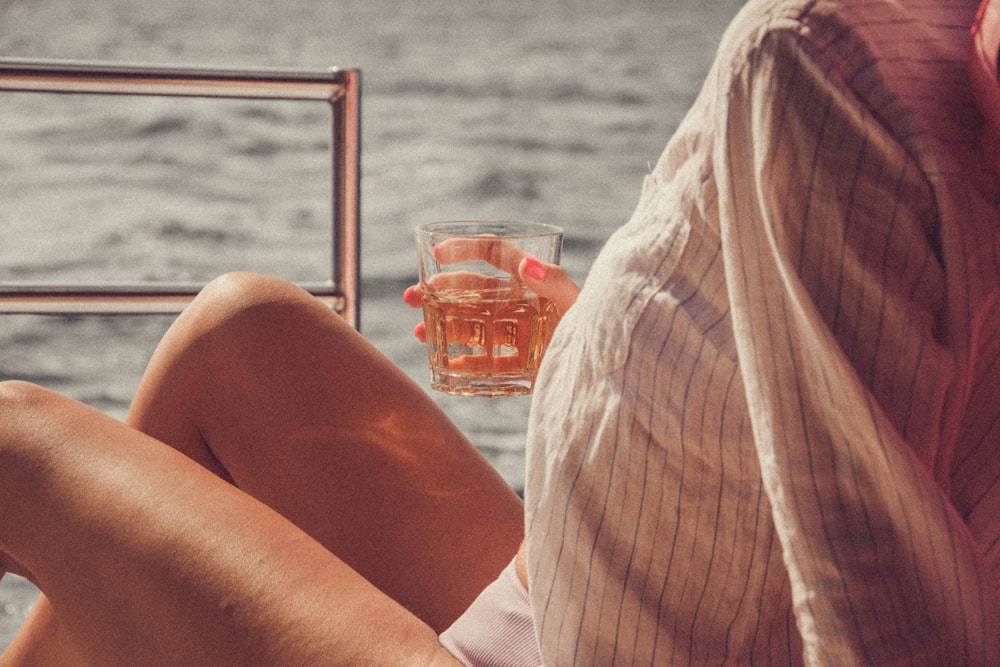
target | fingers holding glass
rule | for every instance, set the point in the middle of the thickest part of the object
(486, 329)
(495, 251)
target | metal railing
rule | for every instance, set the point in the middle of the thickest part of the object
(339, 87)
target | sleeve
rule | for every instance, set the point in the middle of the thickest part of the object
(838, 293)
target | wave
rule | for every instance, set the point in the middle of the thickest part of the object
(506, 89)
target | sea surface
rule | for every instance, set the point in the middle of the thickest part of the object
(548, 110)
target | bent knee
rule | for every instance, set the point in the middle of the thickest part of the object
(24, 407)
(19, 396)
(241, 289)
(237, 305)
(237, 293)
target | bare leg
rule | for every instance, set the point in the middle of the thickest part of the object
(42, 642)
(147, 558)
(265, 386)
(270, 390)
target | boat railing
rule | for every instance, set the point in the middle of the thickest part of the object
(338, 87)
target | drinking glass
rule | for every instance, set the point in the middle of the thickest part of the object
(486, 331)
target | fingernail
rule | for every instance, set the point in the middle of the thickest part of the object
(534, 269)
(419, 330)
(408, 294)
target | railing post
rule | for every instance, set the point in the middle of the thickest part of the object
(338, 87)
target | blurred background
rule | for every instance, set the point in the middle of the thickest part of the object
(548, 110)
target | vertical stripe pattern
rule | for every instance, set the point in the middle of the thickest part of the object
(769, 430)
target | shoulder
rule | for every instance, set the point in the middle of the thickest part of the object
(844, 37)
(900, 64)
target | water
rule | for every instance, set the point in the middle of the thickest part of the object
(548, 110)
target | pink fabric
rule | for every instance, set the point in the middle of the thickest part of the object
(496, 630)
(983, 56)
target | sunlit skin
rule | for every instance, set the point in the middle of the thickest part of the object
(287, 519)
(197, 553)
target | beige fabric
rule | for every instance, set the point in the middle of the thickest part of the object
(769, 430)
(496, 630)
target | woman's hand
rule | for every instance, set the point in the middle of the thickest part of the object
(547, 280)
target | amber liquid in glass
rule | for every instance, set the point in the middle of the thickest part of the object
(486, 342)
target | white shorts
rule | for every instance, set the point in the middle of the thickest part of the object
(496, 630)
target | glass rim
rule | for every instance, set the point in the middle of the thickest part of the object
(527, 229)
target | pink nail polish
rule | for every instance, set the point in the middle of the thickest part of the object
(418, 330)
(535, 269)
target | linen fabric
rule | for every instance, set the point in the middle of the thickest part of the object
(496, 630)
(984, 59)
(769, 430)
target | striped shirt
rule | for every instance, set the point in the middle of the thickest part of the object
(768, 432)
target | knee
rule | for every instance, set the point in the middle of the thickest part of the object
(239, 295)
(256, 309)
(23, 408)
(243, 289)
(19, 402)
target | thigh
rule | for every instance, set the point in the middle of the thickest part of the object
(271, 390)
(147, 558)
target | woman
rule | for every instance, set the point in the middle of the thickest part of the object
(764, 432)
